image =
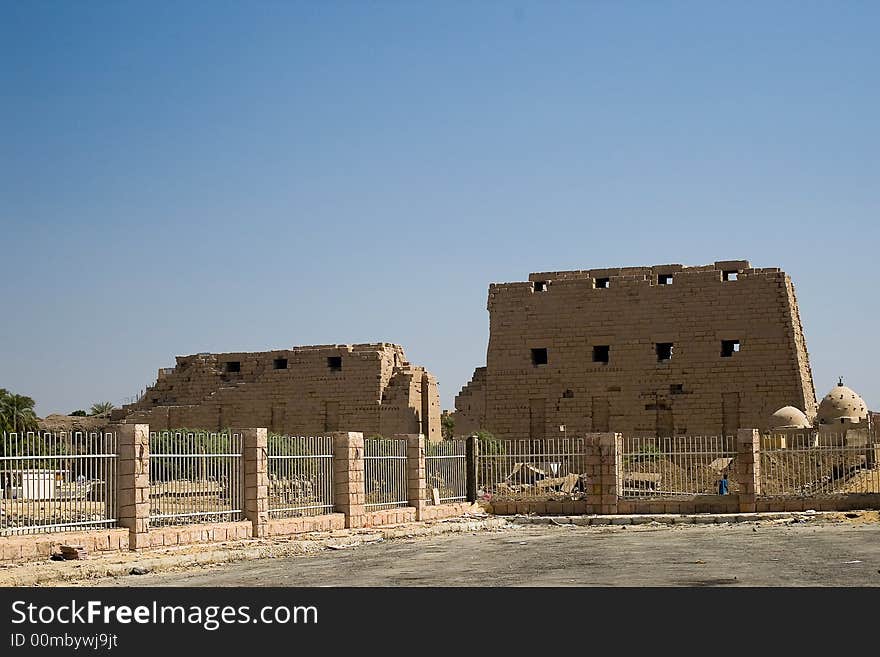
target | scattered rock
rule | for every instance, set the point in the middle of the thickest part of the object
(74, 552)
(137, 570)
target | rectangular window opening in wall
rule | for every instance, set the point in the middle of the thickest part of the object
(334, 363)
(729, 348)
(602, 283)
(232, 366)
(601, 353)
(729, 275)
(664, 279)
(539, 357)
(279, 364)
(540, 286)
(664, 352)
(676, 388)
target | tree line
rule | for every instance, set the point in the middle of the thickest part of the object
(17, 413)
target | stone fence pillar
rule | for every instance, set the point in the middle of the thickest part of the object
(255, 469)
(611, 455)
(133, 482)
(748, 468)
(348, 476)
(603, 459)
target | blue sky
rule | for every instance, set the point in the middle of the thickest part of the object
(221, 176)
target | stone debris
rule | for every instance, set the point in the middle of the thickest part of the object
(73, 552)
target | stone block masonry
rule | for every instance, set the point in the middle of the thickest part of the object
(653, 351)
(370, 388)
(133, 483)
(348, 477)
(255, 462)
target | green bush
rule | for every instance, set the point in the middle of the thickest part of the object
(447, 427)
(488, 444)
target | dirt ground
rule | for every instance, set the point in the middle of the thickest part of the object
(834, 551)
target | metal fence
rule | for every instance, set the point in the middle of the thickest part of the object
(541, 470)
(817, 464)
(385, 473)
(446, 471)
(195, 476)
(57, 481)
(300, 475)
(679, 466)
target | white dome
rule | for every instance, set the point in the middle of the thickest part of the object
(789, 417)
(842, 405)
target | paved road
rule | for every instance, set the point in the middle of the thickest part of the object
(540, 555)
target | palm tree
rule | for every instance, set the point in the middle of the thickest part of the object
(17, 412)
(4, 411)
(101, 407)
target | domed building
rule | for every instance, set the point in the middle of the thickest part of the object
(842, 417)
(789, 427)
(789, 417)
(842, 406)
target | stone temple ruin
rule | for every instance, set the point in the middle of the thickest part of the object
(653, 351)
(369, 388)
(658, 351)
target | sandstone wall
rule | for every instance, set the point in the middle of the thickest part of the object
(470, 405)
(369, 388)
(574, 318)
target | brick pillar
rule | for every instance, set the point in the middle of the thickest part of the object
(133, 482)
(748, 468)
(255, 466)
(416, 484)
(610, 455)
(348, 476)
(602, 460)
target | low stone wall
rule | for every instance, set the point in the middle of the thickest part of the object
(452, 510)
(567, 508)
(42, 546)
(697, 504)
(832, 503)
(322, 523)
(390, 516)
(215, 532)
